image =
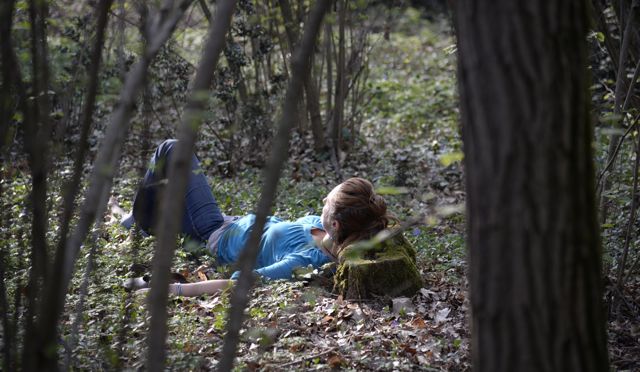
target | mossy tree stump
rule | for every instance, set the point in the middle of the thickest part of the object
(380, 267)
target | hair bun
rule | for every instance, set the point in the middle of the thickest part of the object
(360, 211)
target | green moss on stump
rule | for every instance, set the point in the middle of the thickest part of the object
(383, 266)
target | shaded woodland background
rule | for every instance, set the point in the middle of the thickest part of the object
(90, 88)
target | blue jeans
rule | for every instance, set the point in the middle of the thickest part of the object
(201, 215)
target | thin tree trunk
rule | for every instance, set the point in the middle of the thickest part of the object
(9, 335)
(144, 150)
(599, 15)
(310, 88)
(20, 285)
(283, 51)
(533, 233)
(610, 42)
(328, 40)
(256, 68)
(6, 98)
(120, 62)
(36, 141)
(616, 151)
(338, 108)
(619, 99)
(38, 132)
(291, 30)
(179, 169)
(102, 175)
(299, 68)
(7, 338)
(73, 186)
(236, 70)
(84, 289)
(622, 262)
(313, 107)
(12, 77)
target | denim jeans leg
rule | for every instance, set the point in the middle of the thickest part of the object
(148, 196)
(201, 214)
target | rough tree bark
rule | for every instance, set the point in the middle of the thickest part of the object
(179, 169)
(534, 248)
(279, 151)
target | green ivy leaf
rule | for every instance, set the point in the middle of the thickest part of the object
(450, 158)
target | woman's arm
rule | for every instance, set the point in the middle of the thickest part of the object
(196, 289)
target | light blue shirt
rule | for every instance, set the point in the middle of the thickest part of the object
(284, 245)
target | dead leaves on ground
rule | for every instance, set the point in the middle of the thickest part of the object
(295, 326)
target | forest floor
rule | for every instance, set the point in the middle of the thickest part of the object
(410, 149)
(303, 324)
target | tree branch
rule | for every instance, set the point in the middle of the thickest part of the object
(179, 169)
(618, 109)
(73, 186)
(104, 169)
(300, 68)
(632, 217)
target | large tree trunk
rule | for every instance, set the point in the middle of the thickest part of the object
(535, 257)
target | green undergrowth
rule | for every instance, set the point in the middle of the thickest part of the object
(413, 92)
(409, 123)
(441, 250)
(107, 341)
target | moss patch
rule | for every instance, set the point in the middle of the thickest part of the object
(383, 266)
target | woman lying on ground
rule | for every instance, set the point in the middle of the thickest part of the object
(352, 211)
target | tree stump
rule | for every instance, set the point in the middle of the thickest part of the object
(380, 267)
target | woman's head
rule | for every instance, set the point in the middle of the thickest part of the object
(353, 211)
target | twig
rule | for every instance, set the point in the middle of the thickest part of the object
(170, 50)
(307, 358)
(623, 298)
(617, 108)
(168, 133)
(632, 217)
(615, 153)
(213, 130)
(175, 107)
(84, 289)
(632, 85)
(632, 268)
